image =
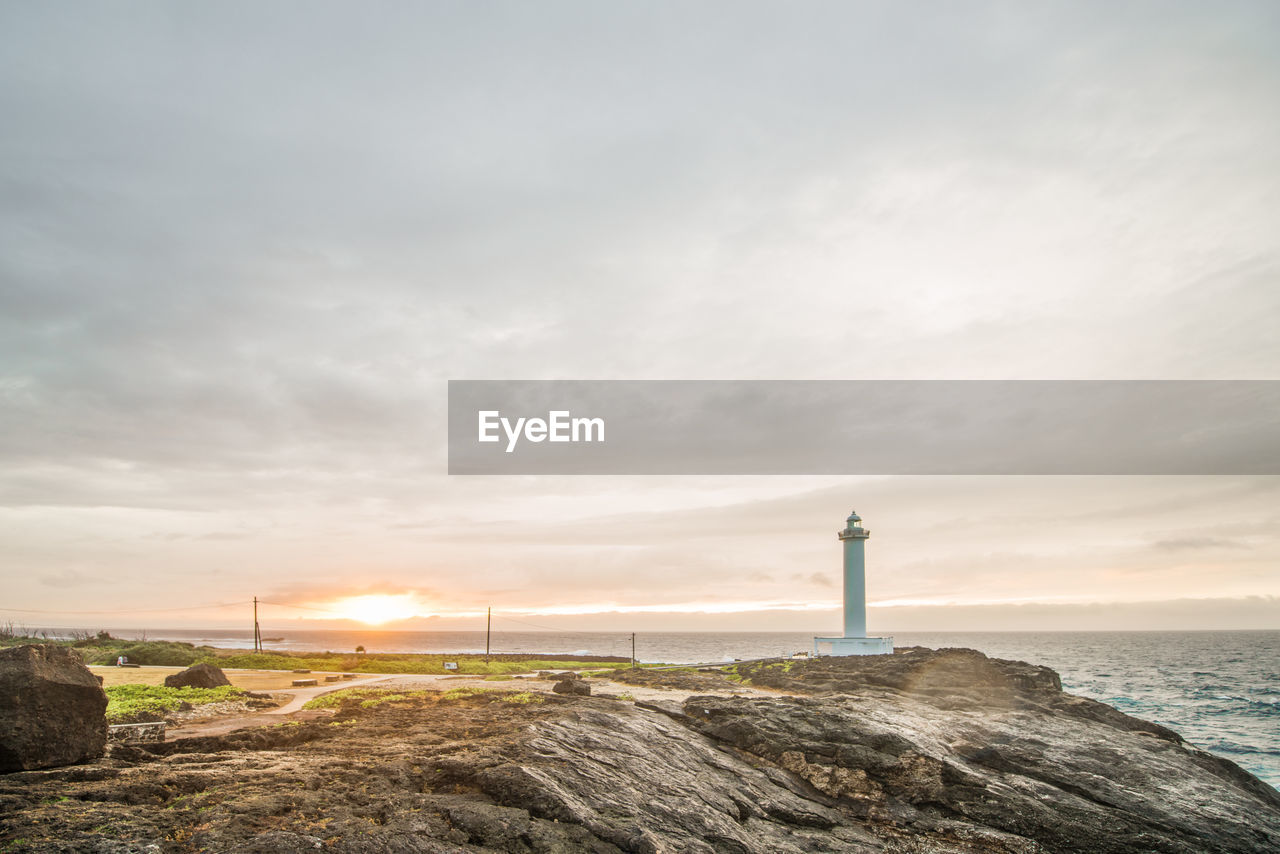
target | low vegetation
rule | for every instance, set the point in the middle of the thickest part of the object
(469, 665)
(521, 698)
(102, 648)
(369, 698)
(130, 703)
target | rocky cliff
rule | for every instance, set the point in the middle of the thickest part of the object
(923, 752)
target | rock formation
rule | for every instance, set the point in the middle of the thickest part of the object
(198, 676)
(927, 753)
(951, 750)
(574, 686)
(52, 709)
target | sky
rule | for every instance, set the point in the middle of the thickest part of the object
(243, 247)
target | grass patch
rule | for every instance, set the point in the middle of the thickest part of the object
(371, 698)
(368, 698)
(126, 703)
(396, 663)
(521, 698)
(102, 648)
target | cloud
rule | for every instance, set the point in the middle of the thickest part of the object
(1180, 544)
(242, 250)
(71, 578)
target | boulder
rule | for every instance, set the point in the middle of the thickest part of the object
(573, 687)
(198, 676)
(52, 709)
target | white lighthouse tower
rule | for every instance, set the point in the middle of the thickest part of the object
(855, 640)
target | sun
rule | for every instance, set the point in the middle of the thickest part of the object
(377, 608)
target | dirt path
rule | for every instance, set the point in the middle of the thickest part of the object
(227, 723)
(420, 682)
(299, 697)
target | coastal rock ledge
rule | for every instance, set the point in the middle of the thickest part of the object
(929, 751)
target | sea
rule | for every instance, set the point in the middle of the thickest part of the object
(1218, 689)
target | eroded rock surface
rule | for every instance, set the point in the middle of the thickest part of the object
(52, 709)
(924, 761)
(679, 678)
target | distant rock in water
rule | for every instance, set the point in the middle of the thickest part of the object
(52, 709)
(198, 676)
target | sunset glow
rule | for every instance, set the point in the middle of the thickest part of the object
(710, 607)
(376, 609)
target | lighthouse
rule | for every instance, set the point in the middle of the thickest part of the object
(853, 539)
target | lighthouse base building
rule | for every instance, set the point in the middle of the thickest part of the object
(853, 646)
(855, 640)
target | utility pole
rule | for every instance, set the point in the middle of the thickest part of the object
(633, 650)
(257, 632)
(488, 626)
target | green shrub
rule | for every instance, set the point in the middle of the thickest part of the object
(160, 653)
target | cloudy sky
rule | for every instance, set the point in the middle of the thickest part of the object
(243, 247)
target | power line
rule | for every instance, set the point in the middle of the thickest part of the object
(124, 610)
(300, 607)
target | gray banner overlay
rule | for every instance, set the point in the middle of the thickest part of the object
(864, 427)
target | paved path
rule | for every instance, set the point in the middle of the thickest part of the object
(302, 695)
